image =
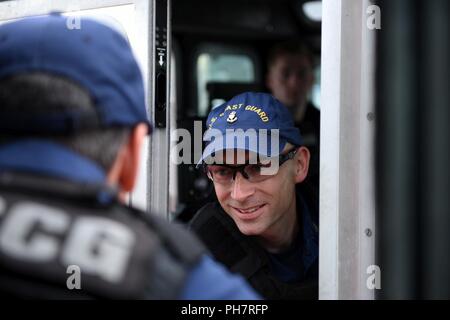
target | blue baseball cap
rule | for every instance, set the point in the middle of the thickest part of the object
(251, 121)
(95, 56)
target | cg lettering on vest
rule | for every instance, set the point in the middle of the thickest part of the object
(34, 232)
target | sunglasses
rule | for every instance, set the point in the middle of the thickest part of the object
(225, 174)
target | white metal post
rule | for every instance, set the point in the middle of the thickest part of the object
(144, 28)
(159, 146)
(347, 210)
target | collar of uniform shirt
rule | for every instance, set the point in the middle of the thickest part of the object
(304, 250)
(49, 158)
(310, 236)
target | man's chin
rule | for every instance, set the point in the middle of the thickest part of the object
(288, 102)
(249, 230)
(291, 104)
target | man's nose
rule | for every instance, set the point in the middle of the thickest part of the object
(294, 81)
(242, 188)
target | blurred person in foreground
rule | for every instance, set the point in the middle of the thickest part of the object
(72, 121)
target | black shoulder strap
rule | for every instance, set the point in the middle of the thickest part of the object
(183, 245)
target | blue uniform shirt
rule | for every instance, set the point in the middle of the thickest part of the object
(299, 260)
(207, 280)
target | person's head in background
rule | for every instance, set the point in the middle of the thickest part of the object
(61, 94)
(114, 149)
(290, 76)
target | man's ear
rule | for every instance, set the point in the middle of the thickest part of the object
(301, 159)
(130, 158)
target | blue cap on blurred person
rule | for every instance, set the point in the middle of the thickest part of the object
(236, 123)
(95, 56)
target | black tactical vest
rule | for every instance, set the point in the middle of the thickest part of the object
(242, 254)
(60, 240)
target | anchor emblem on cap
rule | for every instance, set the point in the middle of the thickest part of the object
(232, 117)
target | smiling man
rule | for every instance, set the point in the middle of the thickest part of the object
(264, 223)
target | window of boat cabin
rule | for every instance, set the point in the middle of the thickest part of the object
(222, 64)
